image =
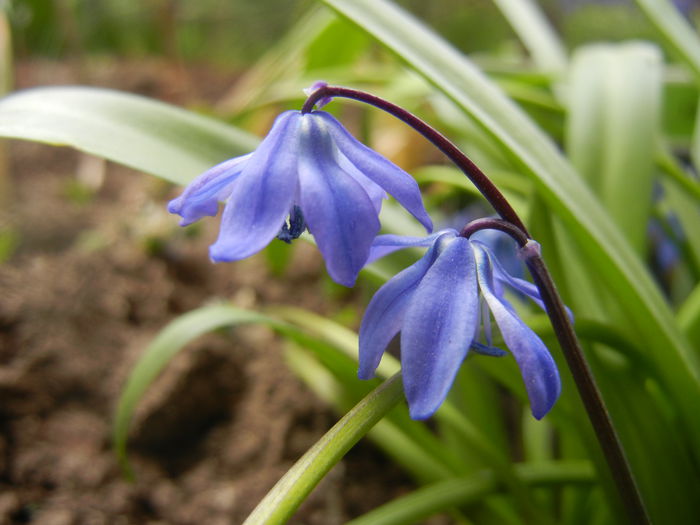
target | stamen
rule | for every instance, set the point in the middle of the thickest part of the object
(483, 349)
(293, 227)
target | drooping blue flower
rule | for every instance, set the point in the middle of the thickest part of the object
(308, 172)
(439, 305)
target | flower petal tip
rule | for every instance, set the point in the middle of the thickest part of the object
(175, 205)
(419, 412)
(365, 374)
(219, 253)
(539, 412)
(347, 280)
(552, 389)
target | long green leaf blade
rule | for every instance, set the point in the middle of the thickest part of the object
(675, 31)
(689, 315)
(538, 36)
(613, 121)
(431, 499)
(144, 134)
(165, 346)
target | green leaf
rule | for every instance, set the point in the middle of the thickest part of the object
(668, 486)
(613, 121)
(462, 492)
(339, 44)
(689, 315)
(163, 348)
(670, 167)
(675, 31)
(538, 36)
(147, 135)
(695, 144)
(606, 250)
(678, 205)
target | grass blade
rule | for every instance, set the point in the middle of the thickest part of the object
(441, 496)
(163, 348)
(538, 36)
(615, 105)
(147, 135)
(675, 31)
(689, 316)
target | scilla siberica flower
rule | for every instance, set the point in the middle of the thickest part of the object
(308, 172)
(439, 304)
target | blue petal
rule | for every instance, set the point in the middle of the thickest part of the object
(338, 211)
(386, 244)
(383, 172)
(520, 285)
(384, 315)
(263, 194)
(438, 327)
(537, 367)
(374, 190)
(201, 196)
(486, 322)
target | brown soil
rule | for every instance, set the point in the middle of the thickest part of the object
(99, 267)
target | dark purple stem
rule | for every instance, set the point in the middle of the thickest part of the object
(513, 226)
(471, 170)
(575, 358)
(489, 223)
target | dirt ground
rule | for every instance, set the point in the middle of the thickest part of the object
(98, 268)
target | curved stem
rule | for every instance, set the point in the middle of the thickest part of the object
(489, 223)
(480, 180)
(530, 250)
(583, 376)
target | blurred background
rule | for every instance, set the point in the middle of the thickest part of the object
(233, 35)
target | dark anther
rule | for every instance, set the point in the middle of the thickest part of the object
(294, 227)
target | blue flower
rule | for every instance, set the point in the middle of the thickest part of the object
(439, 305)
(308, 172)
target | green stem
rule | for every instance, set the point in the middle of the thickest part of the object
(282, 501)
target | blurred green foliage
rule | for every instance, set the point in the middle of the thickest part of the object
(236, 33)
(217, 30)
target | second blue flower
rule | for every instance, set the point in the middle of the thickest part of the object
(439, 305)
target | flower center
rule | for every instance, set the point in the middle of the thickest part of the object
(293, 227)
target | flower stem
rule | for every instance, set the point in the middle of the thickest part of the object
(471, 170)
(489, 223)
(588, 390)
(576, 360)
